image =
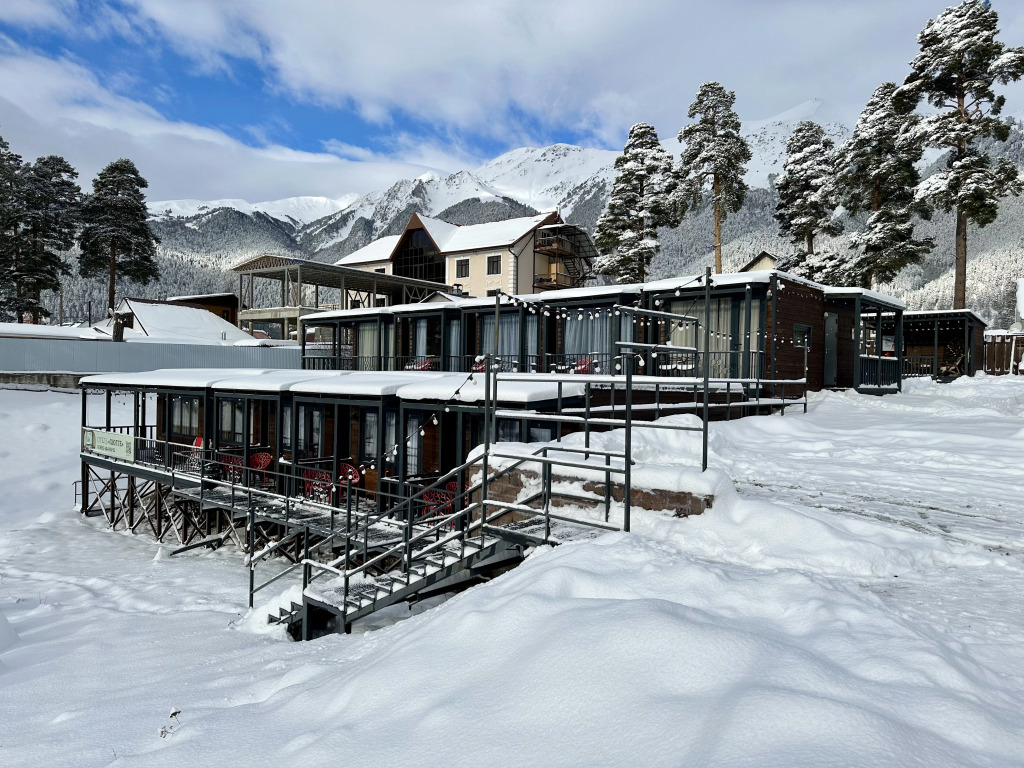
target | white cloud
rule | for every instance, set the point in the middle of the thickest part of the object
(57, 106)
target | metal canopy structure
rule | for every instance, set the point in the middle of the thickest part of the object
(302, 280)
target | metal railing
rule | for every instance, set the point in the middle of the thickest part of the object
(919, 365)
(879, 371)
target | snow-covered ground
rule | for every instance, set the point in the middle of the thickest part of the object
(857, 600)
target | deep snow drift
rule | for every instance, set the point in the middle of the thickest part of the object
(855, 601)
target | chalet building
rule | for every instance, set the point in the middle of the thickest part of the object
(524, 255)
(765, 324)
(428, 443)
(517, 256)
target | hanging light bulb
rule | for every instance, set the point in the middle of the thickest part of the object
(422, 431)
(446, 408)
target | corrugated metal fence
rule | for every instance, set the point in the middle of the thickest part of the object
(74, 356)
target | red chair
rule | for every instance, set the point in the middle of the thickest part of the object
(347, 472)
(318, 485)
(582, 365)
(260, 462)
(194, 461)
(232, 467)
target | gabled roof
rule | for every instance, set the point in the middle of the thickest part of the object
(498, 234)
(451, 238)
(379, 250)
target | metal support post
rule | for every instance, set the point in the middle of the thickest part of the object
(707, 361)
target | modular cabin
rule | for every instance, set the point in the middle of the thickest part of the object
(941, 343)
(756, 325)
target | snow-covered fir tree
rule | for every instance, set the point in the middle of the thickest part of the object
(116, 239)
(52, 208)
(10, 227)
(641, 201)
(806, 205)
(714, 158)
(959, 63)
(877, 174)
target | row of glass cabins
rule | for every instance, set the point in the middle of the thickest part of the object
(307, 432)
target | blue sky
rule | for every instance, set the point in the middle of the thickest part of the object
(262, 99)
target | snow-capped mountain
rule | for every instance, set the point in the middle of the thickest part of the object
(202, 238)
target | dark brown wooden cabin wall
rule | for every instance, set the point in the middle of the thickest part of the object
(431, 445)
(797, 304)
(353, 440)
(978, 349)
(846, 350)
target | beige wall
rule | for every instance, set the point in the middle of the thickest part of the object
(373, 266)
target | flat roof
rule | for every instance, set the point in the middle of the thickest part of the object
(186, 378)
(274, 381)
(689, 282)
(942, 314)
(366, 383)
(444, 388)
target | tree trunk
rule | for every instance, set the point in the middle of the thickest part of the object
(960, 265)
(110, 283)
(810, 244)
(715, 189)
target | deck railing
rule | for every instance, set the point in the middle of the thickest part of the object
(881, 372)
(919, 365)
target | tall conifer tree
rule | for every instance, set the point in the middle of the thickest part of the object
(641, 201)
(714, 158)
(805, 191)
(116, 239)
(959, 63)
(876, 175)
(11, 207)
(52, 207)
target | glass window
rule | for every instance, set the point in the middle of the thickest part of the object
(494, 264)
(232, 422)
(390, 431)
(369, 435)
(418, 257)
(802, 336)
(184, 416)
(462, 268)
(508, 431)
(413, 445)
(286, 427)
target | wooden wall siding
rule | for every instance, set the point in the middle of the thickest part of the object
(977, 349)
(431, 451)
(796, 304)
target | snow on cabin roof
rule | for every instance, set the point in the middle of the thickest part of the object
(443, 388)
(273, 381)
(35, 331)
(379, 250)
(497, 234)
(373, 384)
(177, 324)
(184, 378)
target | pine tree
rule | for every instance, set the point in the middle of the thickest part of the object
(11, 206)
(641, 201)
(876, 174)
(714, 157)
(116, 239)
(806, 192)
(52, 206)
(959, 63)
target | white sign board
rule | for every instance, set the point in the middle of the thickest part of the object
(112, 444)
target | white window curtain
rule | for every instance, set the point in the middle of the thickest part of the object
(455, 338)
(575, 340)
(367, 342)
(420, 337)
(412, 448)
(532, 334)
(508, 335)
